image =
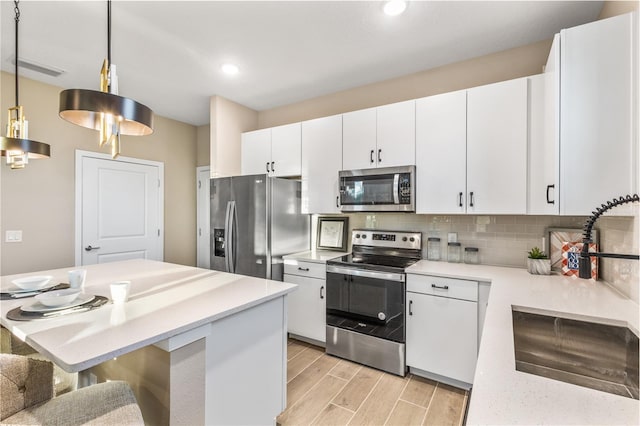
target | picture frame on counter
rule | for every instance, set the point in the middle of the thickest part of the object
(332, 233)
(557, 237)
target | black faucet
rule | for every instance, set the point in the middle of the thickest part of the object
(584, 263)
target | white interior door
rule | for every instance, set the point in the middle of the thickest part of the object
(203, 207)
(119, 209)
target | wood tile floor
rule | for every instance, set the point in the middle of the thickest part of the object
(325, 390)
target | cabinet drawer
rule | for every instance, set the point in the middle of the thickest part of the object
(440, 286)
(305, 269)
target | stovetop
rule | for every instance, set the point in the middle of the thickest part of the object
(387, 251)
(374, 260)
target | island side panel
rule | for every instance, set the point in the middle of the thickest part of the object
(246, 355)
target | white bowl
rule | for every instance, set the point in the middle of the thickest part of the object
(35, 282)
(58, 297)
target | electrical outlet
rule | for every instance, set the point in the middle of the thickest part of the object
(13, 237)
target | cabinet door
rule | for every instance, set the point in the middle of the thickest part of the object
(321, 162)
(597, 149)
(441, 153)
(359, 139)
(307, 308)
(442, 335)
(497, 148)
(396, 134)
(285, 150)
(256, 152)
(544, 137)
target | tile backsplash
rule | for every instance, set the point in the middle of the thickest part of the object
(621, 235)
(505, 240)
(501, 240)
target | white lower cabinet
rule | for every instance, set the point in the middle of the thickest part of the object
(307, 305)
(442, 328)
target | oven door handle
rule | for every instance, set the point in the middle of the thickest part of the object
(389, 276)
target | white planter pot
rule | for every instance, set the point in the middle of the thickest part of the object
(539, 266)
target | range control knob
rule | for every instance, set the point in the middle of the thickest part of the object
(404, 238)
(364, 236)
(381, 316)
(412, 239)
(357, 235)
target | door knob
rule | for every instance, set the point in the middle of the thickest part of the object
(89, 248)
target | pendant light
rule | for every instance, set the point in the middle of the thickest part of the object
(104, 110)
(16, 145)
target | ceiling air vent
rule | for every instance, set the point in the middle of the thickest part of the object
(41, 68)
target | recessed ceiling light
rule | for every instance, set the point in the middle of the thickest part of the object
(230, 69)
(395, 7)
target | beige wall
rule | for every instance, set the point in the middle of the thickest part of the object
(203, 145)
(513, 63)
(228, 121)
(615, 8)
(39, 200)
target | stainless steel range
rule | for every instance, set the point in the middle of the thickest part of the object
(366, 298)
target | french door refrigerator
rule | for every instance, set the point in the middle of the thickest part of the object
(255, 220)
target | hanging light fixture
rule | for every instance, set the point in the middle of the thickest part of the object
(16, 145)
(104, 110)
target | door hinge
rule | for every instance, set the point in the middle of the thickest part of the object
(200, 232)
(158, 232)
(199, 184)
(158, 183)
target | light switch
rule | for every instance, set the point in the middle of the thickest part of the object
(13, 237)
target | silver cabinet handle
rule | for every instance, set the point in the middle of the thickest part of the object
(89, 248)
(379, 156)
(460, 199)
(303, 269)
(441, 287)
(471, 199)
(371, 156)
(322, 292)
(267, 167)
(273, 167)
(410, 306)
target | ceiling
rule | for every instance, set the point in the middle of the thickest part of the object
(168, 53)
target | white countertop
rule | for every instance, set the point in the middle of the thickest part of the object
(165, 300)
(315, 256)
(502, 395)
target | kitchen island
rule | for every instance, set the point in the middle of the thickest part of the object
(501, 395)
(197, 346)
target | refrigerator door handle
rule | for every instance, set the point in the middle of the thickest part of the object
(232, 237)
(227, 233)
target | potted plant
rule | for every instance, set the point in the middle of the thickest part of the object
(538, 262)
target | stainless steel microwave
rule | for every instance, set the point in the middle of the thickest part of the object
(385, 189)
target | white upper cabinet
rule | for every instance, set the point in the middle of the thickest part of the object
(275, 151)
(321, 162)
(359, 146)
(256, 152)
(286, 144)
(497, 148)
(441, 153)
(380, 137)
(396, 134)
(598, 112)
(544, 149)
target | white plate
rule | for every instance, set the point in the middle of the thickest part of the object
(32, 283)
(13, 289)
(36, 306)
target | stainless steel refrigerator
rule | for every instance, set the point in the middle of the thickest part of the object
(255, 220)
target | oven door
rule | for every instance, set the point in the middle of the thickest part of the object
(364, 295)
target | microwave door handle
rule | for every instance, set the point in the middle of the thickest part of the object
(396, 188)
